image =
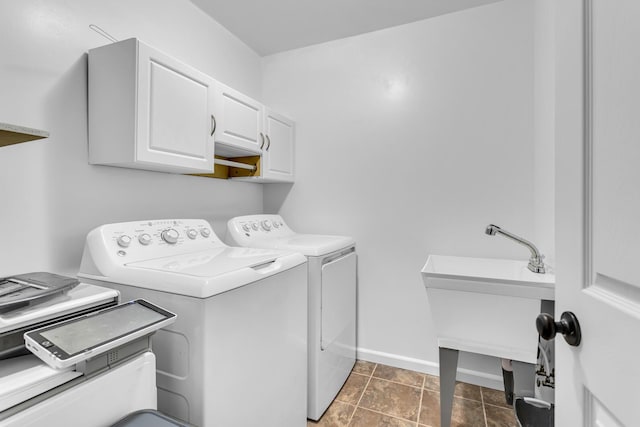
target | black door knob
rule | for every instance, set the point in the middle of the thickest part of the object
(567, 326)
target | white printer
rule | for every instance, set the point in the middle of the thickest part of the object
(32, 393)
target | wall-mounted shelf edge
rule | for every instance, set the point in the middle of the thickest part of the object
(13, 134)
(234, 164)
(225, 168)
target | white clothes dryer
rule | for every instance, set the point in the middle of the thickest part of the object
(237, 353)
(332, 299)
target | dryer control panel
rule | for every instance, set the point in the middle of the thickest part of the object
(259, 225)
(270, 231)
(141, 240)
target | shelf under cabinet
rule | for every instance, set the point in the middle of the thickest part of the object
(223, 171)
(13, 134)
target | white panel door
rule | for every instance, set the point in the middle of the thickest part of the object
(239, 119)
(598, 210)
(175, 113)
(278, 152)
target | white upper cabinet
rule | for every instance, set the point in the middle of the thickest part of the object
(148, 110)
(239, 121)
(246, 128)
(278, 152)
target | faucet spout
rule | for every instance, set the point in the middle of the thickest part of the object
(536, 263)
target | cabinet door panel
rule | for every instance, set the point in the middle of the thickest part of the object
(239, 121)
(174, 113)
(178, 122)
(278, 154)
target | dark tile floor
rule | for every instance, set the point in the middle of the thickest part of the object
(382, 396)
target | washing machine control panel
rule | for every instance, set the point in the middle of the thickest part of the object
(142, 240)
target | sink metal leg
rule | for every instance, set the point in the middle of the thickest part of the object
(448, 368)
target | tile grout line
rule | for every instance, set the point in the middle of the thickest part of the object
(395, 417)
(424, 380)
(498, 406)
(484, 409)
(399, 383)
(362, 394)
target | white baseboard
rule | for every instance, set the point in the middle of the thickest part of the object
(465, 375)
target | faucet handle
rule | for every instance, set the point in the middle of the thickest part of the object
(536, 264)
(537, 259)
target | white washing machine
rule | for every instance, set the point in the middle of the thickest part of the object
(34, 394)
(332, 299)
(237, 354)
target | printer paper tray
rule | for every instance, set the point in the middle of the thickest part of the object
(22, 378)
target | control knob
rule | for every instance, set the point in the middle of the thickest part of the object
(170, 236)
(144, 239)
(246, 227)
(254, 225)
(124, 241)
(192, 233)
(205, 232)
(266, 225)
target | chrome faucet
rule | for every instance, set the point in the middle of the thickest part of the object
(536, 263)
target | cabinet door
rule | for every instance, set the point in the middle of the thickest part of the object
(175, 113)
(239, 121)
(278, 151)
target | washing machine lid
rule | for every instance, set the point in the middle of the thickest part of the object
(202, 274)
(210, 263)
(307, 244)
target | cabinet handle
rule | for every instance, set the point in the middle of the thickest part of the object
(214, 124)
(268, 142)
(261, 139)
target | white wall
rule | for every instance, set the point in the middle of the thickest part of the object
(544, 129)
(412, 139)
(51, 197)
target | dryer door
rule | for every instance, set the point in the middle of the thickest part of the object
(338, 309)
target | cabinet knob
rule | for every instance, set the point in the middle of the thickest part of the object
(567, 326)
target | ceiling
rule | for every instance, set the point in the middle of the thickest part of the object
(271, 26)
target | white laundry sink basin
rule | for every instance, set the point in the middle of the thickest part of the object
(486, 306)
(485, 275)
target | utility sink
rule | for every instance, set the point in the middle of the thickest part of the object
(486, 306)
